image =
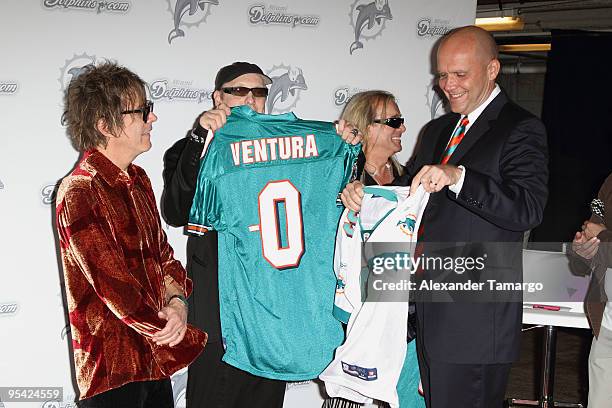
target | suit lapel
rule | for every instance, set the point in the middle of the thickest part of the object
(479, 128)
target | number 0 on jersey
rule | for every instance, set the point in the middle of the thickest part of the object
(277, 255)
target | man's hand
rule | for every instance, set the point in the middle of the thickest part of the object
(435, 177)
(585, 247)
(352, 195)
(173, 333)
(348, 132)
(592, 229)
(215, 118)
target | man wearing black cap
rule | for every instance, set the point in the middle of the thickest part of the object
(212, 382)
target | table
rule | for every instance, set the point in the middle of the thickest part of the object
(552, 268)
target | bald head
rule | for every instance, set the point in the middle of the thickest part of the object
(481, 41)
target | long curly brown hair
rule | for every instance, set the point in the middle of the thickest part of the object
(99, 92)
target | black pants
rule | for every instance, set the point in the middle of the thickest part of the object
(464, 385)
(139, 394)
(215, 384)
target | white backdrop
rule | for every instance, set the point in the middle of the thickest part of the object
(309, 46)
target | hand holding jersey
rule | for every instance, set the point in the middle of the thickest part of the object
(434, 178)
(368, 365)
(215, 118)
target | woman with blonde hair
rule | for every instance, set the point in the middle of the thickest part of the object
(375, 115)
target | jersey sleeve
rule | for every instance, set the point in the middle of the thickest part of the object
(350, 162)
(206, 208)
(347, 266)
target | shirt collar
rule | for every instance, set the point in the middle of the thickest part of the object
(246, 112)
(107, 170)
(472, 116)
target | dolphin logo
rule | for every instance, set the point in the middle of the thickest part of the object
(285, 85)
(74, 72)
(186, 6)
(367, 14)
(407, 225)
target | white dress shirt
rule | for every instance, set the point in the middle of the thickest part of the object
(472, 116)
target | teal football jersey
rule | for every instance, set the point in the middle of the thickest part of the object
(269, 185)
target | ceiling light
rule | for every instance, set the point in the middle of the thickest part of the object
(524, 47)
(500, 23)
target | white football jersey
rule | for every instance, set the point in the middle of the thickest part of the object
(368, 365)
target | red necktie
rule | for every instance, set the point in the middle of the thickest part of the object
(455, 140)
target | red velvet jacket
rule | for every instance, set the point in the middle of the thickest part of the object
(117, 262)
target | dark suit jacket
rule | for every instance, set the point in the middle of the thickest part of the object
(181, 167)
(504, 194)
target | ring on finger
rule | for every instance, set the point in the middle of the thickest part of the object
(355, 132)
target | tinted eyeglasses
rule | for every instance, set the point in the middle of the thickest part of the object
(395, 123)
(244, 91)
(145, 110)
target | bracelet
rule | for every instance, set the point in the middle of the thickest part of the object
(179, 297)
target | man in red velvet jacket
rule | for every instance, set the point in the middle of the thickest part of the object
(126, 293)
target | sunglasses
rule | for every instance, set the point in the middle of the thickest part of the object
(145, 110)
(395, 123)
(244, 91)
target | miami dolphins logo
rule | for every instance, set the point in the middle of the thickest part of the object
(287, 84)
(407, 225)
(74, 67)
(186, 13)
(368, 20)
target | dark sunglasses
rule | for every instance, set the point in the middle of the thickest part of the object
(145, 110)
(395, 123)
(244, 91)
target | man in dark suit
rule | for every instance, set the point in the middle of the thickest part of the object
(486, 167)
